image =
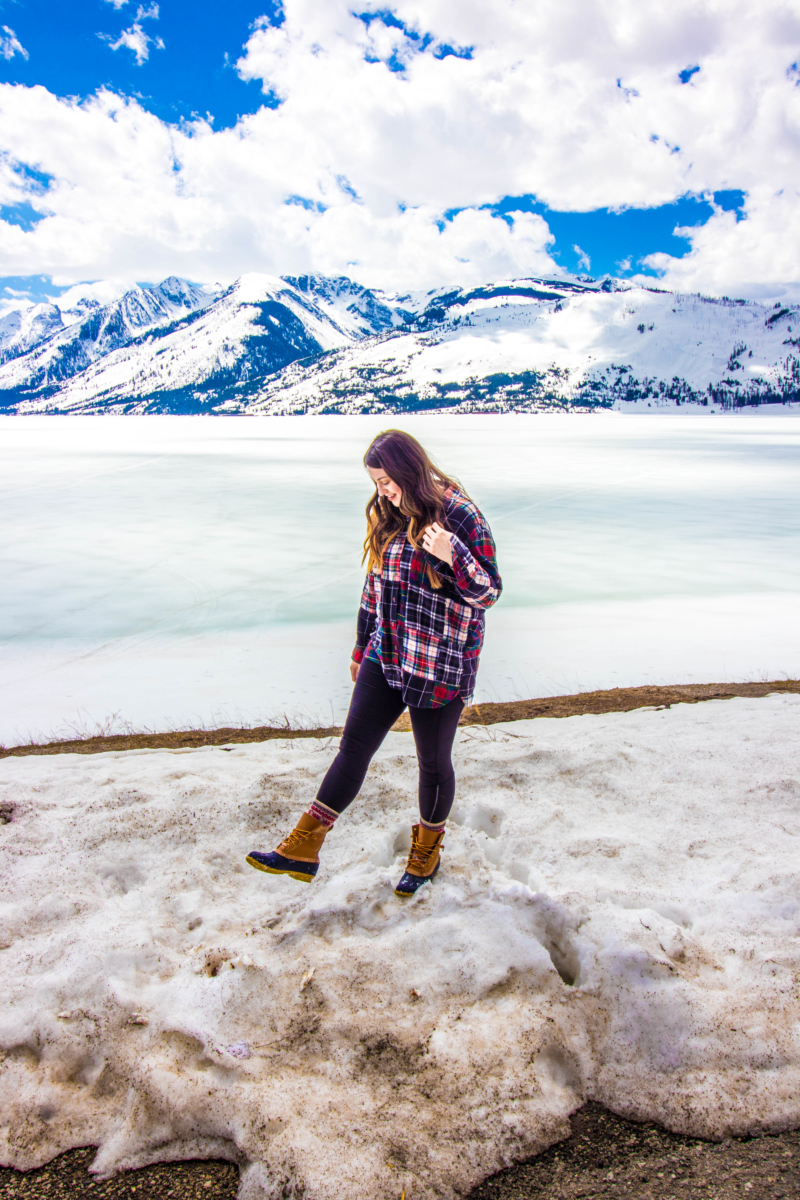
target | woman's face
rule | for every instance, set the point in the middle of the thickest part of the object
(386, 486)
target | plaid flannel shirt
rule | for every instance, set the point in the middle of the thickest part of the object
(428, 640)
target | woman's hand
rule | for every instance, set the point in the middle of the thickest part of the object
(354, 670)
(437, 542)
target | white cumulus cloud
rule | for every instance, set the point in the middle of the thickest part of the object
(136, 38)
(752, 255)
(10, 44)
(584, 262)
(376, 130)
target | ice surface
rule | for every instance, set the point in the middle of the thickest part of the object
(617, 917)
(180, 571)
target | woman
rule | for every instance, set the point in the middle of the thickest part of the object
(432, 573)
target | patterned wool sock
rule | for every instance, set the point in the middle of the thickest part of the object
(437, 828)
(320, 812)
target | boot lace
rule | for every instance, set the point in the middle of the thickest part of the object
(296, 838)
(419, 858)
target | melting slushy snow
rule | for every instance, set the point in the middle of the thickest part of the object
(617, 917)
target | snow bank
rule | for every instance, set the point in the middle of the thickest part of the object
(617, 917)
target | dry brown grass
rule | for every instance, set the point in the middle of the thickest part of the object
(579, 704)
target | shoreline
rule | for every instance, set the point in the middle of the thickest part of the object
(574, 705)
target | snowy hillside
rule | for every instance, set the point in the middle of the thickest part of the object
(316, 344)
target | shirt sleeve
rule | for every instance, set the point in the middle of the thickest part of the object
(474, 570)
(367, 611)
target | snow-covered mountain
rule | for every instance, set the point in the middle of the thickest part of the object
(317, 344)
(224, 351)
(23, 328)
(533, 344)
(221, 349)
(357, 309)
(61, 344)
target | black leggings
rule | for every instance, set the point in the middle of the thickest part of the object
(374, 708)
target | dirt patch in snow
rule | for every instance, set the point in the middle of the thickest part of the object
(579, 704)
(613, 1158)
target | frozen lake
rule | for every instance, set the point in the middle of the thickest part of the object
(174, 571)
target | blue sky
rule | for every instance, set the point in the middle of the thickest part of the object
(379, 142)
(617, 242)
(69, 53)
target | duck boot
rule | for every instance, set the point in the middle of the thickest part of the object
(297, 855)
(423, 860)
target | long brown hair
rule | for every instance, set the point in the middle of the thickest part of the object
(423, 486)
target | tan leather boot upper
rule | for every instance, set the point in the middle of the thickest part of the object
(305, 841)
(426, 847)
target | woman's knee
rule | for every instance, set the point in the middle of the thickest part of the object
(359, 745)
(436, 769)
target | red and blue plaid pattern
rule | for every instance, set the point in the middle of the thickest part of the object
(428, 640)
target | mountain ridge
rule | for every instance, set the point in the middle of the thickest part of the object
(315, 343)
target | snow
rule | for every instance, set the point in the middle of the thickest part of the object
(616, 918)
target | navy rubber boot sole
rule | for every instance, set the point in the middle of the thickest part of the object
(275, 864)
(410, 884)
